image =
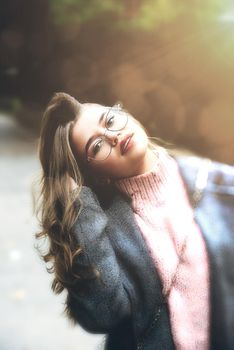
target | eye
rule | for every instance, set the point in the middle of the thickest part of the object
(97, 146)
(110, 121)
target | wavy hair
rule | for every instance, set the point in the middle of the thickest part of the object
(55, 206)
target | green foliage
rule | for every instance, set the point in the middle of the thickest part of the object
(155, 12)
(152, 13)
(82, 10)
(147, 15)
(211, 9)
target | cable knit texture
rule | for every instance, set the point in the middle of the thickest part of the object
(165, 217)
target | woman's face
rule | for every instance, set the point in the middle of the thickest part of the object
(111, 154)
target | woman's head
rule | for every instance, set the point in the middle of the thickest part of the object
(91, 141)
(109, 142)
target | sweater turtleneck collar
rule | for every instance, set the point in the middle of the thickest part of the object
(153, 185)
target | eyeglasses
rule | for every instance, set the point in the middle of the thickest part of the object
(116, 119)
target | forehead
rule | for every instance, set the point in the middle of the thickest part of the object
(86, 124)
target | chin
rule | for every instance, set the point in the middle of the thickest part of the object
(140, 148)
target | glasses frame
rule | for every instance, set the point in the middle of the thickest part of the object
(119, 108)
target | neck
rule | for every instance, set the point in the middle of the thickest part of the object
(148, 163)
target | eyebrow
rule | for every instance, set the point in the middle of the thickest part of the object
(90, 140)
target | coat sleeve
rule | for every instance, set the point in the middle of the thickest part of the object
(105, 302)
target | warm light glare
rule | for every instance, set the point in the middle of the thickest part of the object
(227, 17)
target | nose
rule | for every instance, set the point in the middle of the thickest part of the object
(113, 137)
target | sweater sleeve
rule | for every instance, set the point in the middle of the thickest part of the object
(105, 300)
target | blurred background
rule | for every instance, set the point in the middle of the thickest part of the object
(171, 64)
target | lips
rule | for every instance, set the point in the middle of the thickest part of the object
(124, 143)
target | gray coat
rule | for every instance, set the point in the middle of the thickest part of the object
(126, 302)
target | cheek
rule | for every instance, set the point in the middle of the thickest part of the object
(140, 140)
(142, 137)
(140, 133)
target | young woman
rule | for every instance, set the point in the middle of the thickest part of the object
(142, 241)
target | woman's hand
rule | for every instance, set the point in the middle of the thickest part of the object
(73, 184)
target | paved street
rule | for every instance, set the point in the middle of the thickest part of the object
(31, 316)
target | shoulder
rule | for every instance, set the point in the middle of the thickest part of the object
(219, 176)
(94, 209)
(105, 197)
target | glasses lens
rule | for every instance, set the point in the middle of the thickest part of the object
(116, 119)
(99, 149)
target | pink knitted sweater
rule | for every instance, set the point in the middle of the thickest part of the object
(165, 217)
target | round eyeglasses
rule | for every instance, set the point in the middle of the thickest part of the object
(100, 148)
